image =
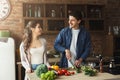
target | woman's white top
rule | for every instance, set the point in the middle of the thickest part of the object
(36, 55)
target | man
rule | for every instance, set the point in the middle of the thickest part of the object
(73, 42)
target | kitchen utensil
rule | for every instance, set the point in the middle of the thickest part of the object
(73, 64)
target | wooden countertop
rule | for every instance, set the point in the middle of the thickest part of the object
(80, 76)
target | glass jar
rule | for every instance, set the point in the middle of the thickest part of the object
(53, 14)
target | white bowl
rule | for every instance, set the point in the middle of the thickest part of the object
(56, 56)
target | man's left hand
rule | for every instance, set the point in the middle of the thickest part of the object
(78, 62)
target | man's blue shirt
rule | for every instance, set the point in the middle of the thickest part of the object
(63, 41)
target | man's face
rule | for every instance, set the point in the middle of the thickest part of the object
(73, 22)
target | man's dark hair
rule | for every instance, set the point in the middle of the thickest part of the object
(76, 14)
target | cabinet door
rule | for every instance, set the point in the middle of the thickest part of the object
(33, 10)
(55, 25)
(117, 49)
(95, 11)
(96, 25)
(95, 17)
(108, 51)
(78, 7)
(55, 10)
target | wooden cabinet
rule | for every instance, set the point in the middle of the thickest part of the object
(20, 71)
(112, 46)
(108, 50)
(53, 17)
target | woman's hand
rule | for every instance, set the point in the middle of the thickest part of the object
(68, 54)
(29, 70)
(78, 62)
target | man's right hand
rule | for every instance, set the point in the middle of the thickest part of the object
(68, 54)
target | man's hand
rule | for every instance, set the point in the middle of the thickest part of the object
(68, 54)
(78, 62)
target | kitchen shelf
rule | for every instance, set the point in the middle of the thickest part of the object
(53, 16)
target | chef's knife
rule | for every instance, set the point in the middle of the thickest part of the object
(72, 64)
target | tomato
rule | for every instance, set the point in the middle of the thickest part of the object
(60, 72)
(72, 72)
(67, 74)
(64, 71)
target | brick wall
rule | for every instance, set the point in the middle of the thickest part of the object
(14, 21)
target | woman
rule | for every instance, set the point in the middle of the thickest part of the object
(33, 47)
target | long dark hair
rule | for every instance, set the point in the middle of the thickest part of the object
(27, 37)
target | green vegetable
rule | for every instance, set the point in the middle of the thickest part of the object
(50, 75)
(89, 71)
(42, 68)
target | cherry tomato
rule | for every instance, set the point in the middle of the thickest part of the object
(72, 72)
(64, 71)
(60, 72)
(68, 73)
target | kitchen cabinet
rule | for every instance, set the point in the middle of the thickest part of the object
(108, 51)
(54, 16)
(112, 47)
(20, 71)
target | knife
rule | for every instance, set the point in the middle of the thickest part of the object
(72, 64)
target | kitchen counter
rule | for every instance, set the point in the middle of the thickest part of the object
(80, 76)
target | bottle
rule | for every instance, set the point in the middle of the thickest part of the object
(109, 30)
(101, 63)
(35, 14)
(26, 11)
(39, 12)
(61, 12)
(30, 11)
(53, 13)
(112, 64)
(101, 66)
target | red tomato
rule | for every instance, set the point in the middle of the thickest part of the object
(64, 71)
(72, 72)
(60, 72)
(68, 73)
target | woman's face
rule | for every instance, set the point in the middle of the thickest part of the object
(37, 30)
